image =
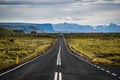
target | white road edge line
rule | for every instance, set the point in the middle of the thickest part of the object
(102, 69)
(98, 67)
(108, 71)
(119, 77)
(23, 64)
(114, 74)
(20, 65)
(91, 63)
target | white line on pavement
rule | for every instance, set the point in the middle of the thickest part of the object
(56, 74)
(114, 74)
(23, 64)
(98, 66)
(108, 71)
(91, 63)
(59, 57)
(119, 77)
(60, 76)
(19, 66)
(102, 69)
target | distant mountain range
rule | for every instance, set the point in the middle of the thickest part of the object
(69, 27)
(61, 27)
(29, 27)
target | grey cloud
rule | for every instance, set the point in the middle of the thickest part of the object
(86, 1)
(108, 0)
(92, 12)
(106, 6)
(45, 2)
(35, 2)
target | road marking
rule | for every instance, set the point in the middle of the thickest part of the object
(98, 67)
(20, 66)
(94, 65)
(102, 69)
(60, 76)
(56, 74)
(91, 64)
(107, 71)
(114, 74)
(59, 56)
(119, 77)
(24, 63)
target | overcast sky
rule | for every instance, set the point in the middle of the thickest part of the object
(57, 11)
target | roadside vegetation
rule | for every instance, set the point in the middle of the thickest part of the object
(101, 48)
(25, 46)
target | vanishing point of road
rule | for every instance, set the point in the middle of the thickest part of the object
(58, 64)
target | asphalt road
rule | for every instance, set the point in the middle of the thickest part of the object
(58, 64)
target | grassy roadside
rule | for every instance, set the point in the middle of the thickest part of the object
(25, 46)
(99, 48)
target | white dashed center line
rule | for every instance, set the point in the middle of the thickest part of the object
(58, 75)
(59, 57)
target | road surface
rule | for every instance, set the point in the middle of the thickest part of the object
(58, 64)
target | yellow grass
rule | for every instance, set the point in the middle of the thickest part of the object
(99, 50)
(25, 48)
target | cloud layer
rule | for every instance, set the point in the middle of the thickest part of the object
(48, 2)
(56, 11)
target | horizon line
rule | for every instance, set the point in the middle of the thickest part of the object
(55, 23)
